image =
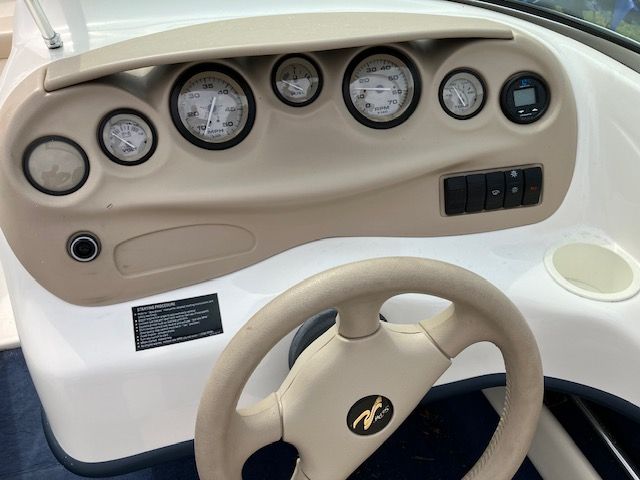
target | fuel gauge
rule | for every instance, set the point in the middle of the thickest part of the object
(462, 94)
(127, 137)
(296, 80)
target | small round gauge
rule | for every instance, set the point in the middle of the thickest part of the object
(212, 106)
(127, 137)
(462, 93)
(55, 165)
(381, 88)
(296, 80)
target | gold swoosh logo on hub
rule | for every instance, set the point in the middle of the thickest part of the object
(369, 415)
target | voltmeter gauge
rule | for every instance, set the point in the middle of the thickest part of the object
(127, 137)
(381, 87)
(296, 80)
(462, 94)
(212, 106)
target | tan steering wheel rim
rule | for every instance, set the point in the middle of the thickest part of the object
(225, 437)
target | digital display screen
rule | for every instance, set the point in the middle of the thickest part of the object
(524, 96)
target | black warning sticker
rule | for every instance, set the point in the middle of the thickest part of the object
(183, 320)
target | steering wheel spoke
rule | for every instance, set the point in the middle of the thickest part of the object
(455, 329)
(341, 402)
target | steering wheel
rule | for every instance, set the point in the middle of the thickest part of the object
(350, 390)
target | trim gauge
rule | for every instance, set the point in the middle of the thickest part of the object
(462, 93)
(381, 87)
(212, 106)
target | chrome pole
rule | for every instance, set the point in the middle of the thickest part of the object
(51, 37)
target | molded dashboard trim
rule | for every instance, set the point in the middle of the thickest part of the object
(248, 36)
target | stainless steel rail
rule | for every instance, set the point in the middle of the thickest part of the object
(51, 37)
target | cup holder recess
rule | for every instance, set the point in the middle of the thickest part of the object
(597, 272)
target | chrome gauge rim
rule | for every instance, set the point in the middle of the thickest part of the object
(127, 137)
(462, 93)
(395, 90)
(296, 80)
(212, 106)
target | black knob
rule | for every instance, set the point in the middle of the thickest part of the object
(83, 247)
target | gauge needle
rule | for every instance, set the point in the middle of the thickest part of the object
(464, 104)
(123, 140)
(213, 105)
(293, 86)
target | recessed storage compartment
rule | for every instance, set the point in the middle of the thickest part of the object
(594, 271)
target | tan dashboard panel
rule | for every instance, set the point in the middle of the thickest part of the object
(189, 214)
(266, 35)
(181, 247)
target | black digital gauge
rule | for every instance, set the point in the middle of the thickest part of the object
(524, 98)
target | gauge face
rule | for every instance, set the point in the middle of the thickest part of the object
(296, 80)
(212, 106)
(127, 137)
(55, 165)
(381, 88)
(462, 94)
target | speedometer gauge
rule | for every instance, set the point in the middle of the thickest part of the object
(212, 106)
(381, 88)
(462, 93)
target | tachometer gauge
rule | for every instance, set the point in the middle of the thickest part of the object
(127, 137)
(212, 106)
(462, 94)
(381, 88)
(296, 80)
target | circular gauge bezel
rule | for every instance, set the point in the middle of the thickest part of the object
(48, 138)
(182, 80)
(274, 79)
(542, 91)
(478, 77)
(413, 71)
(141, 116)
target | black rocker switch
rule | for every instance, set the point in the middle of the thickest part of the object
(532, 186)
(455, 195)
(514, 183)
(495, 190)
(476, 192)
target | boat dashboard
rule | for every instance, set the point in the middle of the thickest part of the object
(148, 176)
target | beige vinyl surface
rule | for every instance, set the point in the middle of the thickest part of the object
(6, 29)
(266, 35)
(188, 214)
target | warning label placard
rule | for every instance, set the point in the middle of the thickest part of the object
(183, 320)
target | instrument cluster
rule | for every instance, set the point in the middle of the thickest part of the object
(214, 108)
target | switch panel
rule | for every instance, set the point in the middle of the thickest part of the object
(503, 189)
